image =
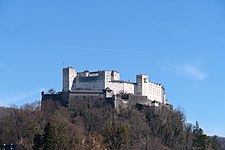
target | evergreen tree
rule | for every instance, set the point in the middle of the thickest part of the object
(200, 141)
(49, 137)
(38, 142)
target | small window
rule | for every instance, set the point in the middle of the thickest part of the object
(145, 80)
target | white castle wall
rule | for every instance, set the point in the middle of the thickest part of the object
(156, 92)
(129, 88)
(119, 87)
(116, 87)
(112, 80)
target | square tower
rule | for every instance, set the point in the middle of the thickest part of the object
(115, 75)
(142, 85)
(68, 76)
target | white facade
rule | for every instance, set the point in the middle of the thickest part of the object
(99, 80)
(154, 91)
(157, 92)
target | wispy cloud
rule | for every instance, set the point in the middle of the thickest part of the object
(189, 70)
(183, 31)
(18, 98)
(76, 48)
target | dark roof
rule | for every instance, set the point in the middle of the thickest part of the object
(122, 81)
(108, 89)
(86, 71)
(95, 72)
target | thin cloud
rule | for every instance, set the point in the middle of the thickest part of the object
(17, 98)
(189, 70)
(145, 21)
(76, 48)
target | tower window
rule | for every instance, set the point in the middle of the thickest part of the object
(145, 80)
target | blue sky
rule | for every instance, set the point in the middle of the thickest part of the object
(178, 43)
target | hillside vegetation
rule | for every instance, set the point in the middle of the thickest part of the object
(95, 125)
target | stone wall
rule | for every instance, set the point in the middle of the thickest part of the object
(88, 98)
(69, 99)
(129, 100)
(88, 83)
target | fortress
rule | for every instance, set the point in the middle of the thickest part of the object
(106, 87)
(110, 79)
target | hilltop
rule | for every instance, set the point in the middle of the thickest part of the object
(95, 124)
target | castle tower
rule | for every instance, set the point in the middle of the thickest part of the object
(68, 76)
(115, 75)
(142, 85)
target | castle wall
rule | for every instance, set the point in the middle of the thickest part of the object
(116, 87)
(100, 81)
(129, 100)
(112, 80)
(90, 82)
(78, 97)
(156, 92)
(120, 87)
(128, 88)
(134, 99)
(70, 99)
(52, 101)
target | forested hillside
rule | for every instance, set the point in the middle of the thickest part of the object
(95, 125)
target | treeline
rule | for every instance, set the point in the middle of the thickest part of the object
(96, 125)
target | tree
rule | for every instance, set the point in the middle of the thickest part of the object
(95, 125)
(38, 142)
(67, 135)
(93, 142)
(116, 137)
(200, 140)
(49, 137)
(215, 144)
